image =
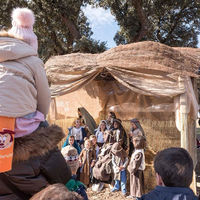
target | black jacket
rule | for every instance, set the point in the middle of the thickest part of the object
(37, 163)
(169, 193)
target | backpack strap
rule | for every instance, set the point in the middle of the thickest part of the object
(14, 189)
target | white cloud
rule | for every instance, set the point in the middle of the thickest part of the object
(98, 16)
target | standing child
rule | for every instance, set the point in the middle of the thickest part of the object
(136, 168)
(99, 133)
(87, 160)
(95, 146)
(120, 162)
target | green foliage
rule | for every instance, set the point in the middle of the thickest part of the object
(175, 23)
(59, 25)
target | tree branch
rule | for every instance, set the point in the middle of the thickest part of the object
(142, 20)
(72, 29)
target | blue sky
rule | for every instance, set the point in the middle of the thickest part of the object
(103, 25)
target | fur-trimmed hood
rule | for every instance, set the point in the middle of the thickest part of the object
(37, 143)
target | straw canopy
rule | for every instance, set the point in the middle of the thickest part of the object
(148, 68)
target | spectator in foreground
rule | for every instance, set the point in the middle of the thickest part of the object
(174, 171)
(56, 192)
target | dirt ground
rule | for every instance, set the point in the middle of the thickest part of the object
(105, 194)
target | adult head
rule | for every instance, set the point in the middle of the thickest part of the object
(173, 167)
(111, 116)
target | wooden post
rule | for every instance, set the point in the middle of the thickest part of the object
(184, 121)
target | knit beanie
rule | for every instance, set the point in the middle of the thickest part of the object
(22, 26)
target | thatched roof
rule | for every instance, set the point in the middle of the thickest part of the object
(145, 67)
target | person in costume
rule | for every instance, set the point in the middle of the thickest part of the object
(78, 132)
(95, 146)
(88, 121)
(109, 121)
(29, 161)
(102, 170)
(119, 134)
(136, 168)
(136, 130)
(72, 158)
(99, 133)
(120, 162)
(87, 160)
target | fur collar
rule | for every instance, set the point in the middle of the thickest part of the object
(37, 143)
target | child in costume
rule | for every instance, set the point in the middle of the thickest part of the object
(24, 90)
(34, 161)
(120, 162)
(99, 132)
(174, 172)
(119, 133)
(136, 168)
(78, 132)
(71, 141)
(71, 156)
(95, 146)
(87, 160)
(136, 130)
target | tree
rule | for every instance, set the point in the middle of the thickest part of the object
(175, 23)
(61, 26)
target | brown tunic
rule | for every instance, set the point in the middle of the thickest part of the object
(86, 157)
(136, 176)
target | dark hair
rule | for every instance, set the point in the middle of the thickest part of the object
(72, 136)
(175, 166)
(113, 115)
